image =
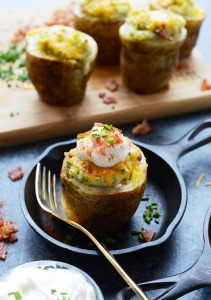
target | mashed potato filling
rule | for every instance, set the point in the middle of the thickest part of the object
(146, 25)
(186, 8)
(105, 9)
(61, 42)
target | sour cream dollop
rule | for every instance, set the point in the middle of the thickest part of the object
(33, 284)
(104, 145)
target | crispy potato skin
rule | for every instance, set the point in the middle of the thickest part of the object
(102, 212)
(106, 34)
(146, 66)
(57, 82)
(193, 27)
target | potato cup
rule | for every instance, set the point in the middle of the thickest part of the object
(103, 198)
(151, 42)
(60, 61)
(102, 20)
(194, 16)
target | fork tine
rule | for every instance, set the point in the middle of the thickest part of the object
(38, 181)
(55, 196)
(44, 193)
(50, 190)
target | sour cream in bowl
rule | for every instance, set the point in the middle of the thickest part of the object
(46, 280)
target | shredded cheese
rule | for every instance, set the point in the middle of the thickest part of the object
(199, 180)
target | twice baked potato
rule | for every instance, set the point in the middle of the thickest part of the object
(194, 15)
(60, 61)
(103, 179)
(151, 42)
(102, 19)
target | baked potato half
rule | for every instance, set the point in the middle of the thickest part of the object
(151, 42)
(102, 20)
(193, 14)
(60, 61)
(102, 199)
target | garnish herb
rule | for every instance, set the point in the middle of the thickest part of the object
(111, 141)
(151, 212)
(110, 240)
(16, 295)
(108, 127)
(53, 291)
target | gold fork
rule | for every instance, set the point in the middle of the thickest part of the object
(46, 193)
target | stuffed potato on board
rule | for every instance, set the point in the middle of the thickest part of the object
(60, 61)
(103, 179)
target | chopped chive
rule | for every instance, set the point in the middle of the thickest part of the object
(16, 295)
(145, 198)
(104, 136)
(156, 221)
(147, 220)
(81, 137)
(53, 291)
(111, 141)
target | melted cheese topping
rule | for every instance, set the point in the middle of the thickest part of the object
(61, 42)
(33, 283)
(106, 9)
(186, 8)
(143, 24)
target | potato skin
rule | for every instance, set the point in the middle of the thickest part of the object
(147, 66)
(193, 27)
(106, 34)
(57, 82)
(99, 212)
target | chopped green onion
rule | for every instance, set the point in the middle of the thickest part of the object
(53, 291)
(16, 295)
(111, 141)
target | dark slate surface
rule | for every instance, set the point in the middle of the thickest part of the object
(178, 254)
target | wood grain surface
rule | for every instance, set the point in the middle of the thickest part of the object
(34, 120)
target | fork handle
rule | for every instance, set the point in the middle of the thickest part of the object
(137, 290)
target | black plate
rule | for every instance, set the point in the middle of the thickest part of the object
(165, 186)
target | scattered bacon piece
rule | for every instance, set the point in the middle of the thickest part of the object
(62, 17)
(101, 95)
(20, 34)
(162, 34)
(12, 238)
(1, 204)
(147, 235)
(3, 250)
(112, 85)
(109, 100)
(205, 86)
(142, 129)
(16, 173)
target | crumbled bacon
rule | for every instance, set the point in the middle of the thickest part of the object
(162, 34)
(62, 17)
(3, 250)
(7, 233)
(139, 158)
(16, 173)
(21, 33)
(205, 86)
(101, 95)
(147, 235)
(112, 85)
(142, 128)
(109, 100)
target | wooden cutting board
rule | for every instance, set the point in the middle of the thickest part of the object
(33, 120)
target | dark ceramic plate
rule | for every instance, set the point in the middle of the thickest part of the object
(165, 186)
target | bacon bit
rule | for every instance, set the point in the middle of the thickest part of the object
(3, 250)
(142, 129)
(205, 86)
(69, 155)
(162, 34)
(1, 204)
(112, 85)
(199, 180)
(109, 100)
(21, 33)
(101, 95)
(147, 235)
(62, 17)
(139, 158)
(15, 174)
